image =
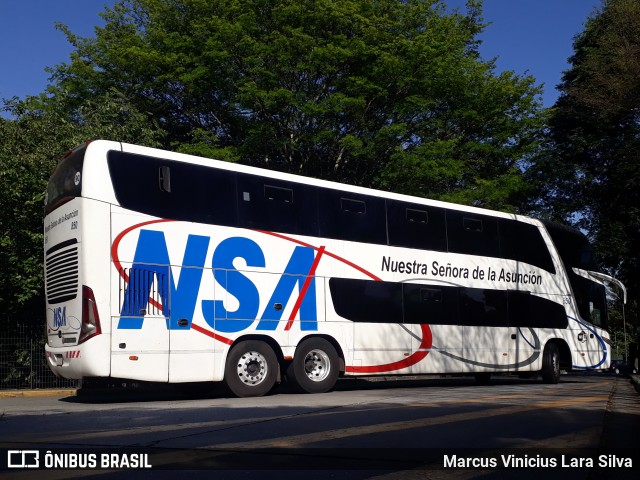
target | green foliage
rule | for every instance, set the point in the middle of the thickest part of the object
(39, 133)
(592, 164)
(624, 336)
(476, 151)
(387, 94)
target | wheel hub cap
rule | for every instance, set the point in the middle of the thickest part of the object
(317, 365)
(252, 368)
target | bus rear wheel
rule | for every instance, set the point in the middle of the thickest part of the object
(551, 364)
(251, 369)
(314, 368)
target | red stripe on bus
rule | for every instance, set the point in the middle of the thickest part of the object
(305, 287)
(118, 239)
(211, 334)
(427, 341)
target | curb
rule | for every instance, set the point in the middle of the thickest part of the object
(69, 392)
(635, 381)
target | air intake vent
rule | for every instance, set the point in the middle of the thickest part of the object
(61, 272)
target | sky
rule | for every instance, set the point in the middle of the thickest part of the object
(532, 37)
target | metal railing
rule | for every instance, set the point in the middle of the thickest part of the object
(23, 364)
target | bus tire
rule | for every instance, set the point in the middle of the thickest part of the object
(314, 368)
(251, 369)
(551, 364)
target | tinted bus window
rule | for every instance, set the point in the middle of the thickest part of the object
(394, 302)
(416, 226)
(432, 304)
(575, 251)
(273, 205)
(66, 180)
(573, 246)
(174, 190)
(367, 301)
(523, 242)
(483, 307)
(472, 234)
(353, 217)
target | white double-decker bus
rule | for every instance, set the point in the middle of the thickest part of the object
(171, 268)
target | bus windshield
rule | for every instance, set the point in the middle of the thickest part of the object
(576, 252)
(66, 180)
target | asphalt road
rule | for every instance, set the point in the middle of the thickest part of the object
(363, 429)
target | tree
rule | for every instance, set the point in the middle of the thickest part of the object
(388, 94)
(592, 165)
(37, 135)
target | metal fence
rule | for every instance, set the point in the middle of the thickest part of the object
(23, 364)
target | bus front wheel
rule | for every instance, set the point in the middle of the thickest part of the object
(251, 369)
(551, 364)
(314, 368)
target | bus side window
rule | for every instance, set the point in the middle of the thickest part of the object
(416, 226)
(417, 216)
(164, 179)
(472, 234)
(366, 300)
(142, 183)
(483, 307)
(472, 224)
(351, 216)
(276, 205)
(353, 206)
(430, 304)
(278, 194)
(523, 242)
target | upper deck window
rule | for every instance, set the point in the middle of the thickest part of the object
(172, 189)
(66, 180)
(472, 234)
(575, 252)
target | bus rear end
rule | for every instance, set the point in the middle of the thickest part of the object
(77, 342)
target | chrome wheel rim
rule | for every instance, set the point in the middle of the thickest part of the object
(252, 368)
(317, 365)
